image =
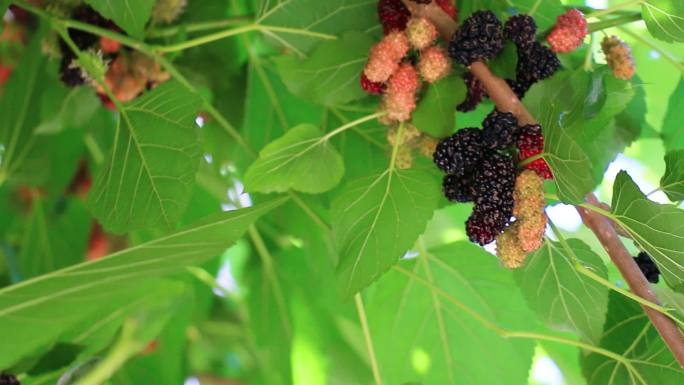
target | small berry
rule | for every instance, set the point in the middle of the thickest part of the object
(434, 64)
(479, 38)
(461, 153)
(569, 31)
(393, 15)
(500, 130)
(531, 232)
(427, 146)
(448, 7)
(475, 93)
(8, 379)
(529, 210)
(531, 143)
(421, 32)
(648, 267)
(536, 63)
(482, 227)
(166, 11)
(108, 45)
(619, 57)
(457, 189)
(69, 72)
(521, 30)
(508, 248)
(400, 98)
(373, 88)
(385, 56)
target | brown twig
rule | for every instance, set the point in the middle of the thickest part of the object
(506, 100)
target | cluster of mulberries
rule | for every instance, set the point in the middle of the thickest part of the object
(619, 57)
(8, 379)
(647, 267)
(569, 32)
(407, 55)
(128, 73)
(482, 38)
(480, 169)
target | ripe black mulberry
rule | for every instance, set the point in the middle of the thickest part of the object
(458, 189)
(648, 267)
(8, 379)
(479, 38)
(461, 153)
(393, 15)
(521, 30)
(536, 63)
(475, 93)
(500, 130)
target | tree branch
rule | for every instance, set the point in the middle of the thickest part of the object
(506, 100)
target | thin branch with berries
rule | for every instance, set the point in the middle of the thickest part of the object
(507, 101)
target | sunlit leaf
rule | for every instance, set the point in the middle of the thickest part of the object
(148, 179)
(561, 296)
(303, 160)
(664, 19)
(376, 219)
(422, 333)
(673, 123)
(436, 109)
(672, 183)
(655, 227)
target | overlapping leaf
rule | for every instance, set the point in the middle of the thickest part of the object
(330, 75)
(672, 183)
(302, 160)
(664, 19)
(562, 297)
(130, 15)
(673, 123)
(422, 333)
(148, 179)
(37, 312)
(306, 18)
(435, 112)
(644, 358)
(657, 228)
(376, 219)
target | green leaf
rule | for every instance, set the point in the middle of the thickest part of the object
(577, 114)
(148, 179)
(17, 116)
(130, 15)
(631, 122)
(420, 334)
(376, 219)
(672, 183)
(655, 227)
(67, 108)
(673, 123)
(36, 312)
(435, 112)
(664, 19)
(330, 75)
(305, 20)
(301, 159)
(53, 243)
(544, 12)
(629, 334)
(565, 299)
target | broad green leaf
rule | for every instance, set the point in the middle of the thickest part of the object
(420, 335)
(34, 313)
(655, 227)
(577, 112)
(18, 103)
(629, 334)
(562, 297)
(330, 75)
(148, 179)
(302, 160)
(673, 123)
(435, 112)
(302, 24)
(631, 122)
(67, 108)
(672, 183)
(664, 19)
(670, 298)
(544, 12)
(376, 219)
(130, 15)
(51, 243)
